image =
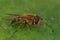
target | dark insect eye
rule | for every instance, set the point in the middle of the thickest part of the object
(36, 19)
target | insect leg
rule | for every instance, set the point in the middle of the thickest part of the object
(28, 29)
(40, 24)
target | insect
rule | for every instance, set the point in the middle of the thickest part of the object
(26, 19)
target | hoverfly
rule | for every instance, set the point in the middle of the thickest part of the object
(25, 19)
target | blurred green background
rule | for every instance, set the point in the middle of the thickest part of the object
(48, 9)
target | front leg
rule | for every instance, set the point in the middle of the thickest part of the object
(39, 24)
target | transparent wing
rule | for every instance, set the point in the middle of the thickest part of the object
(14, 14)
(9, 17)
